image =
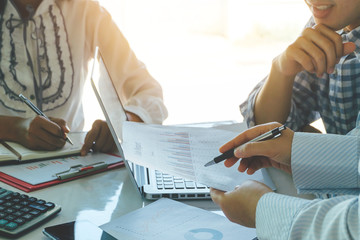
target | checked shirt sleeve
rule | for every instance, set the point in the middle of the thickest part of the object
(303, 103)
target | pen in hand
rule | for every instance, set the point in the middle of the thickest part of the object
(230, 153)
(38, 112)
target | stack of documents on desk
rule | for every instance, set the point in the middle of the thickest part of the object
(183, 151)
(169, 219)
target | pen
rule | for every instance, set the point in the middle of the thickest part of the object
(38, 112)
(230, 153)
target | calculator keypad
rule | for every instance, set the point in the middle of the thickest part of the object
(19, 212)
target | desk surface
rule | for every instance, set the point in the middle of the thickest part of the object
(102, 197)
(98, 198)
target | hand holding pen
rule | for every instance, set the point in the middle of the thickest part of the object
(44, 133)
(259, 147)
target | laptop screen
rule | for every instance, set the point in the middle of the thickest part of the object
(111, 106)
(146, 180)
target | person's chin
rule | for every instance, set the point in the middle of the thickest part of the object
(330, 24)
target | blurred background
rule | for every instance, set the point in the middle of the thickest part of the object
(206, 54)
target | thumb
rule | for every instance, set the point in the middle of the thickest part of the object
(348, 48)
(216, 195)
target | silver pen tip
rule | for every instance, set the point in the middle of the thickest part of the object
(210, 163)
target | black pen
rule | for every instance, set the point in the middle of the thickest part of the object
(230, 153)
(38, 112)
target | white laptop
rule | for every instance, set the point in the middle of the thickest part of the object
(152, 184)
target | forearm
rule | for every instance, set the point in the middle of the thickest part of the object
(288, 217)
(335, 170)
(273, 102)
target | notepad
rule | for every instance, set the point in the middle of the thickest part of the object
(11, 152)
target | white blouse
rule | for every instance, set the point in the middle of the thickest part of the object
(46, 56)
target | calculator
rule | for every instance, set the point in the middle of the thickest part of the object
(20, 213)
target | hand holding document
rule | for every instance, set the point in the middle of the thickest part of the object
(183, 151)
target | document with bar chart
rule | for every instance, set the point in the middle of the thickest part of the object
(183, 151)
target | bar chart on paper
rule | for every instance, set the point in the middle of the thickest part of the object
(183, 151)
(177, 146)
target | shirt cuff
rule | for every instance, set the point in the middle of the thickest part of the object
(150, 109)
(275, 213)
(325, 163)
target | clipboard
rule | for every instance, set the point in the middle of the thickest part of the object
(79, 170)
(54, 176)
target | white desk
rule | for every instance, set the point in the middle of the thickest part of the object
(98, 198)
(102, 197)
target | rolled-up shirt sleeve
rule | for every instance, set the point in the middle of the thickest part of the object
(303, 108)
(247, 107)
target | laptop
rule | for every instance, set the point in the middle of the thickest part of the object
(152, 184)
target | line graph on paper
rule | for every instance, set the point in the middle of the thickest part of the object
(176, 147)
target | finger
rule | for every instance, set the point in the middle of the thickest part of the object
(89, 140)
(252, 164)
(257, 163)
(109, 145)
(101, 141)
(334, 37)
(37, 131)
(244, 164)
(216, 195)
(321, 47)
(47, 125)
(318, 58)
(103, 136)
(230, 162)
(247, 135)
(349, 47)
(62, 124)
(38, 143)
(263, 148)
(301, 57)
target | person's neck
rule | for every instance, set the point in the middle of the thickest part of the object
(21, 6)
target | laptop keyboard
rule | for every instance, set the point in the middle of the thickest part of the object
(167, 181)
(21, 212)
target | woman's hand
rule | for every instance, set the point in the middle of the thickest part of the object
(99, 139)
(39, 133)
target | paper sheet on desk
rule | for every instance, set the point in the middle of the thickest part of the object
(169, 219)
(183, 151)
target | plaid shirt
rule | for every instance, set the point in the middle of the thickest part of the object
(334, 97)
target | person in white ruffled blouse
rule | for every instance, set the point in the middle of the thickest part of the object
(45, 48)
